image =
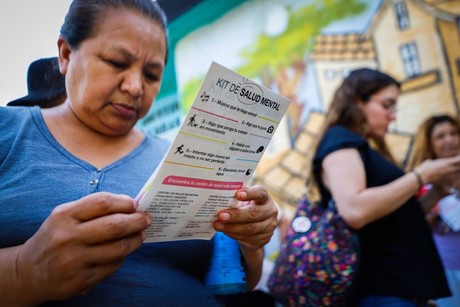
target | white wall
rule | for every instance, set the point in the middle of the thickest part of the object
(28, 30)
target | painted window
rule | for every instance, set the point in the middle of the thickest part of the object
(410, 59)
(402, 15)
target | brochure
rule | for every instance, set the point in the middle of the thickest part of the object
(215, 153)
(450, 211)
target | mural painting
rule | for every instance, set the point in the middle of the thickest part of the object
(303, 49)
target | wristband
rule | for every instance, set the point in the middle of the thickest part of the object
(419, 179)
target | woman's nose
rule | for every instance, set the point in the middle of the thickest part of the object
(392, 116)
(132, 84)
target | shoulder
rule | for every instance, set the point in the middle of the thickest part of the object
(336, 138)
(14, 114)
(343, 135)
(156, 140)
(160, 144)
(15, 119)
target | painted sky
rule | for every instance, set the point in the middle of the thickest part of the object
(29, 30)
(206, 44)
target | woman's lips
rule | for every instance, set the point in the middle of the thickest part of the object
(125, 111)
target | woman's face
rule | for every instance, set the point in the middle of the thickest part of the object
(113, 77)
(380, 110)
(445, 140)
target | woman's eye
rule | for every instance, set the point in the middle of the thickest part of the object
(117, 64)
(151, 77)
(389, 107)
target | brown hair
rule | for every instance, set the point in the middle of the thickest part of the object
(422, 148)
(360, 84)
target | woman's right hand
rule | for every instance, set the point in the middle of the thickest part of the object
(78, 245)
(434, 171)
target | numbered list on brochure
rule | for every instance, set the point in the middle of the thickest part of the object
(215, 153)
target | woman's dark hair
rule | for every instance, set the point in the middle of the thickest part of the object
(83, 16)
(344, 110)
(359, 85)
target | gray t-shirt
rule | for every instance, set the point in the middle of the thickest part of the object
(37, 174)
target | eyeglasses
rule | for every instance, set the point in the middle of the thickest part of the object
(388, 105)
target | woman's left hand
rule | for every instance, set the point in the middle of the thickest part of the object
(253, 221)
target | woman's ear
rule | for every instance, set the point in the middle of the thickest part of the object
(64, 55)
(360, 103)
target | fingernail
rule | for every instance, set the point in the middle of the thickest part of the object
(219, 226)
(136, 204)
(224, 216)
(148, 219)
(243, 195)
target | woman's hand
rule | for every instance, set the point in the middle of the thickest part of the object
(78, 245)
(439, 169)
(253, 221)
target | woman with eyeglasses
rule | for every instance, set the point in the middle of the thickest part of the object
(439, 137)
(399, 264)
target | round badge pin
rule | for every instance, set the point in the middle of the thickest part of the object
(301, 224)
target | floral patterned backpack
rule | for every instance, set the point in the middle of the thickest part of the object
(318, 261)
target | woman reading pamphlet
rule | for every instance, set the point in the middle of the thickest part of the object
(71, 234)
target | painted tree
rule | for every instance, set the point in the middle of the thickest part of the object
(279, 61)
(271, 57)
(291, 46)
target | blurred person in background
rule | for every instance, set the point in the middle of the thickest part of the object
(45, 85)
(438, 136)
(399, 263)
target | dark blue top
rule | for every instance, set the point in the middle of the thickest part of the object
(37, 174)
(398, 256)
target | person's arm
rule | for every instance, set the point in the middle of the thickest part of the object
(252, 223)
(13, 291)
(432, 196)
(77, 246)
(254, 260)
(344, 175)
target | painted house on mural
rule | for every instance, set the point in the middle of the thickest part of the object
(416, 41)
(448, 23)
(335, 55)
(412, 40)
(303, 49)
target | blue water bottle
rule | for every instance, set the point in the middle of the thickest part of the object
(226, 274)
